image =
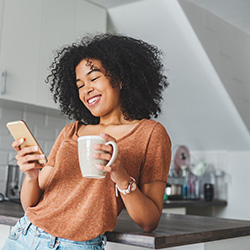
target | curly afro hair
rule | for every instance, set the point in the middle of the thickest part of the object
(132, 62)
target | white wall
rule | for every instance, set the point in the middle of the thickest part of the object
(197, 110)
(238, 187)
(226, 44)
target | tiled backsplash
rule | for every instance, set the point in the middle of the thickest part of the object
(44, 125)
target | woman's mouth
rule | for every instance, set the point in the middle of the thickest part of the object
(93, 100)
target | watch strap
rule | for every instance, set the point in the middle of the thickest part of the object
(125, 191)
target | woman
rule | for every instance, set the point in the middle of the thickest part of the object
(111, 85)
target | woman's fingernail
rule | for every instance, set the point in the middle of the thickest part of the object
(42, 156)
(21, 140)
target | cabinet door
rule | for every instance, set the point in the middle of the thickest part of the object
(4, 232)
(1, 18)
(59, 28)
(19, 51)
(90, 18)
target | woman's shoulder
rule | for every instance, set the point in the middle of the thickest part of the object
(151, 124)
(155, 129)
(71, 128)
(146, 128)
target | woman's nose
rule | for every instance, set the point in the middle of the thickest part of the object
(88, 90)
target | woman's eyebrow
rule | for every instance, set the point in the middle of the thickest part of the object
(92, 70)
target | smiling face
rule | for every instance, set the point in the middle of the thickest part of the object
(95, 89)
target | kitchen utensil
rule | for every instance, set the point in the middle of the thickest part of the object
(181, 160)
(199, 168)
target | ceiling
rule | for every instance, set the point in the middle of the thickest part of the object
(236, 12)
(107, 4)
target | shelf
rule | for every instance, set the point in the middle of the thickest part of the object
(193, 203)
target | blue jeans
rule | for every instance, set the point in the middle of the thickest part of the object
(24, 235)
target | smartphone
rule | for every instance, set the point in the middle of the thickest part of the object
(19, 129)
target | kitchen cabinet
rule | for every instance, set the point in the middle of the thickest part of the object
(179, 210)
(4, 232)
(57, 29)
(1, 18)
(19, 52)
(63, 27)
(31, 31)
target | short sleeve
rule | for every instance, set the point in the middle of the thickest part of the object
(54, 150)
(157, 157)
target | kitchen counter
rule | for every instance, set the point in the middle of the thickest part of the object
(14, 209)
(173, 229)
(178, 230)
(193, 203)
(11, 209)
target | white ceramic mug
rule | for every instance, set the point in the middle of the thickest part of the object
(86, 162)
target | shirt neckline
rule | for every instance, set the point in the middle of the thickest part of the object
(120, 139)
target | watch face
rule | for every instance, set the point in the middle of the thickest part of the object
(133, 186)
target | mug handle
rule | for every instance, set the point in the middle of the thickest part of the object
(115, 152)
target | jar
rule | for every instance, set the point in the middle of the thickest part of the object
(208, 192)
(220, 185)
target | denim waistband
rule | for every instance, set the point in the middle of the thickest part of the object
(28, 226)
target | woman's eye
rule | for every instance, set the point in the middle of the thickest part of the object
(95, 78)
(80, 86)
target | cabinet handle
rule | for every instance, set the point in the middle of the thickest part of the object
(4, 79)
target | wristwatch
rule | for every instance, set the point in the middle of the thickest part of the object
(131, 187)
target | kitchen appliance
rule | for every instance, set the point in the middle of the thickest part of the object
(174, 191)
(14, 180)
(181, 160)
(181, 167)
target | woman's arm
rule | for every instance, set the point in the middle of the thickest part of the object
(27, 160)
(32, 188)
(145, 206)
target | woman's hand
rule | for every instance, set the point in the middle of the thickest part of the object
(27, 159)
(117, 173)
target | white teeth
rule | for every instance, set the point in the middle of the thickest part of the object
(93, 100)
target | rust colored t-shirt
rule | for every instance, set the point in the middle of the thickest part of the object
(80, 209)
